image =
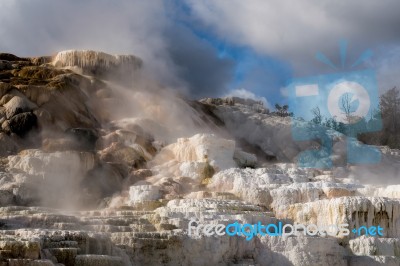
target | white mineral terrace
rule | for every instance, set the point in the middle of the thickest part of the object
(88, 58)
(150, 162)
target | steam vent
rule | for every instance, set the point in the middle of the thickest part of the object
(101, 166)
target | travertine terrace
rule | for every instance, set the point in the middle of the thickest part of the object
(94, 171)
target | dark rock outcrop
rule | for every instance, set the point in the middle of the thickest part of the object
(22, 123)
(84, 138)
(11, 57)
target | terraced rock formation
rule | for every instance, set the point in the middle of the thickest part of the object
(100, 166)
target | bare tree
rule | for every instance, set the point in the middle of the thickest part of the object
(390, 104)
(390, 114)
(346, 106)
(317, 115)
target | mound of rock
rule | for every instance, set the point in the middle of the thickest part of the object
(97, 63)
(355, 211)
(200, 148)
(93, 172)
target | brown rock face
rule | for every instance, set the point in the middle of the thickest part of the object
(22, 123)
(92, 173)
(34, 95)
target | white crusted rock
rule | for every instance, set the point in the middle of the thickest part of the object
(200, 148)
(373, 246)
(355, 211)
(54, 176)
(391, 191)
(244, 159)
(308, 192)
(301, 251)
(93, 62)
(373, 261)
(144, 193)
(252, 185)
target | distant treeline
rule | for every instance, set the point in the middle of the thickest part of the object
(386, 119)
(390, 112)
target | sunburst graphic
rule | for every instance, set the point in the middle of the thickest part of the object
(367, 54)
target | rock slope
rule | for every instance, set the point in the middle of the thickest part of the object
(96, 172)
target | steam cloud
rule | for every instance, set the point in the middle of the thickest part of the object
(157, 32)
(143, 28)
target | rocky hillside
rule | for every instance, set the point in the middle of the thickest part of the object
(102, 166)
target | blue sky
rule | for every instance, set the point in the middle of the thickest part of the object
(260, 74)
(265, 72)
(263, 75)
